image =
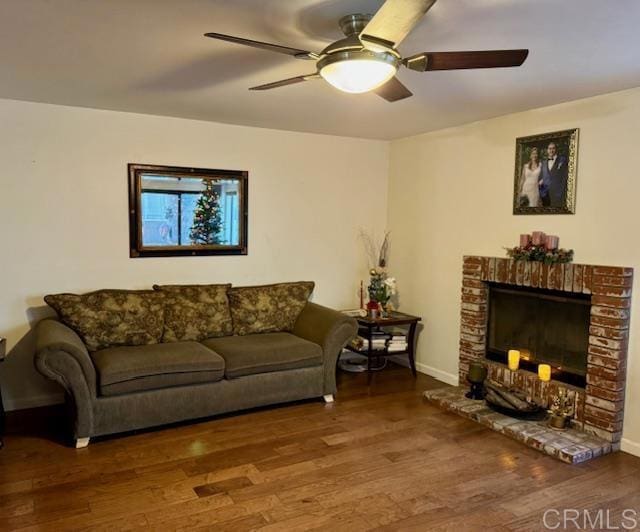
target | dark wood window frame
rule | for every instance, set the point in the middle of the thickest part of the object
(136, 247)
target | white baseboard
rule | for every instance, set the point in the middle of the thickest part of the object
(440, 375)
(630, 447)
(22, 403)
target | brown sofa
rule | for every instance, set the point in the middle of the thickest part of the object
(187, 368)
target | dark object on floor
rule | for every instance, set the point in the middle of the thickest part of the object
(353, 363)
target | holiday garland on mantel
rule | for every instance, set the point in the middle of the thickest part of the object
(207, 217)
(533, 253)
(538, 247)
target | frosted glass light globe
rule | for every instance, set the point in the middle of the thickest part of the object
(358, 75)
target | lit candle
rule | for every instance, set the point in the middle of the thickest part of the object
(537, 237)
(514, 359)
(544, 372)
(525, 240)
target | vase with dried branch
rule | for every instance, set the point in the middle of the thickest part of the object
(381, 286)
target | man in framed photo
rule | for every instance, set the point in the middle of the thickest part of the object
(553, 178)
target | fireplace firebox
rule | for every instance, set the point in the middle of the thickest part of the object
(546, 326)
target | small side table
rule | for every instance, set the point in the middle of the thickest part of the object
(367, 326)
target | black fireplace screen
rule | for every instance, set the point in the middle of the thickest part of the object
(545, 326)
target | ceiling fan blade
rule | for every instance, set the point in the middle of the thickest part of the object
(393, 90)
(284, 82)
(462, 60)
(295, 52)
(393, 22)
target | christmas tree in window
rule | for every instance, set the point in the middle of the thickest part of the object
(207, 217)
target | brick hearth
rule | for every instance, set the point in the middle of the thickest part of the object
(599, 407)
(572, 446)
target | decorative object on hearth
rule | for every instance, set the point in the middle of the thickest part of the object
(544, 372)
(476, 377)
(176, 211)
(561, 410)
(545, 173)
(511, 402)
(513, 359)
(539, 247)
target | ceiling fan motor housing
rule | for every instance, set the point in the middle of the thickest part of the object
(354, 55)
(354, 24)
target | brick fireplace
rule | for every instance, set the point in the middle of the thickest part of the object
(599, 405)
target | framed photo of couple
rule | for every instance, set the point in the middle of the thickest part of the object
(545, 173)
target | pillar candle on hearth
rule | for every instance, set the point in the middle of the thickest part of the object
(525, 240)
(544, 372)
(552, 241)
(514, 359)
(537, 237)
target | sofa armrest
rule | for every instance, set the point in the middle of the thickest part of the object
(331, 330)
(61, 356)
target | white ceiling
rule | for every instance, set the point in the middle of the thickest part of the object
(149, 56)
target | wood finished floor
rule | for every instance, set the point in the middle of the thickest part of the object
(379, 457)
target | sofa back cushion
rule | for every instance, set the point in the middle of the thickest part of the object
(108, 318)
(268, 308)
(195, 312)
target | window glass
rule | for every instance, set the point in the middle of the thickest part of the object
(160, 219)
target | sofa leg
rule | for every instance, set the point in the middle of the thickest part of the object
(81, 443)
(328, 398)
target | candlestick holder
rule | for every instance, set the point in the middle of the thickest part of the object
(476, 377)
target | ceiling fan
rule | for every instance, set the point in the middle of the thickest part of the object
(367, 59)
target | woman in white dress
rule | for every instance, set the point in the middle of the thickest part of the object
(530, 178)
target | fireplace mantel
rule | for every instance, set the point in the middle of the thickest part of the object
(599, 407)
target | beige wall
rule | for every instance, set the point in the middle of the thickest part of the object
(450, 194)
(64, 224)
(63, 212)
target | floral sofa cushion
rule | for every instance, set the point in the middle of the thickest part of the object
(268, 308)
(107, 318)
(195, 312)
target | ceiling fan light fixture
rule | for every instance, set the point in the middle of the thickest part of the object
(358, 71)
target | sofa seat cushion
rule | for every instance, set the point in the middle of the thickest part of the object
(148, 367)
(262, 353)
